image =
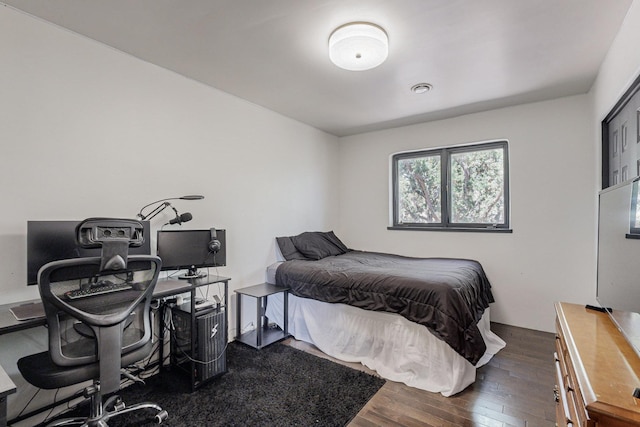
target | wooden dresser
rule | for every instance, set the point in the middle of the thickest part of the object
(596, 371)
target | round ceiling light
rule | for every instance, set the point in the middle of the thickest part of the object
(358, 46)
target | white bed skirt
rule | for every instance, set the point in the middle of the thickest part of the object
(397, 349)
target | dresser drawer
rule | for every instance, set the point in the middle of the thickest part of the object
(570, 404)
(596, 371)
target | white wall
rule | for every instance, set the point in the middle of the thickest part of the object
(549, 256)
(619, 69)
(89, 131)
(555, 177)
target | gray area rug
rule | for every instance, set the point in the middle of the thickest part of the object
(275, 386)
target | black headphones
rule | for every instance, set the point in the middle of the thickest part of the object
(214, 245)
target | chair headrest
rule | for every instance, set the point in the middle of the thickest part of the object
(114, 235)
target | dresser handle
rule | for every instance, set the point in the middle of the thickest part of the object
(563, 392)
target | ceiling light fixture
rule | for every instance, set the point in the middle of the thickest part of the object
(421, 88)
(358, 46)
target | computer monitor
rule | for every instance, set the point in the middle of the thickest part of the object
(55, 240)
(190, 250)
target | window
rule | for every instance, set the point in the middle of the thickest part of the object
(454, 188)
(615, 137)
(634, 212)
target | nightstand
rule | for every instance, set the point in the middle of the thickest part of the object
(262, 335)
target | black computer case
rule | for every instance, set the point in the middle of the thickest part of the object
(209, 359)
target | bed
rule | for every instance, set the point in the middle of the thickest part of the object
(420, 321)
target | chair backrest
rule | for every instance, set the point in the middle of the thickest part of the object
(98, 327)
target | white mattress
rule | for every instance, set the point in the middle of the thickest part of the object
(397, 349)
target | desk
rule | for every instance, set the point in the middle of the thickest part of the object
(165, 287)
(6, 388)
(8, 322)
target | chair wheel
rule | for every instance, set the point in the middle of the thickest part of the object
(161, 416)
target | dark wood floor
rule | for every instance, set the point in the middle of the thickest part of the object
(514, 389)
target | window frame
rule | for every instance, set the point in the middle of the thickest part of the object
(634, 232)
(445, 188)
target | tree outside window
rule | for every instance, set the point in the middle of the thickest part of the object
(452, 188)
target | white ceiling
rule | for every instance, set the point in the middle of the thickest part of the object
(477, 54)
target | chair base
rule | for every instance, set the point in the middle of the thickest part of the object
(99, 418)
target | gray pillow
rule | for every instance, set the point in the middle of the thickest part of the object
(317, 245)
(288, 250)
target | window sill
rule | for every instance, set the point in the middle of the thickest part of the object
(453, 229)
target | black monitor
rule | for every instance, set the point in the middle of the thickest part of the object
(190, 250)
(55, 240)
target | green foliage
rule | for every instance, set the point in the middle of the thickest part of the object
(477, 187)
(419, 184)
(476, 193)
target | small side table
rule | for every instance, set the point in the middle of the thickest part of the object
(262, 335)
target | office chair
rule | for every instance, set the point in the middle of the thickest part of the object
(93, 335)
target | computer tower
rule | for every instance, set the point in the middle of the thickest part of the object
(209, 359)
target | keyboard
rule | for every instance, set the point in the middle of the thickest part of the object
(99, 289)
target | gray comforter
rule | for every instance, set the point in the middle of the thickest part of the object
(448, 296)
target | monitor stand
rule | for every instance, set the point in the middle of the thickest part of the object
(192, 273)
